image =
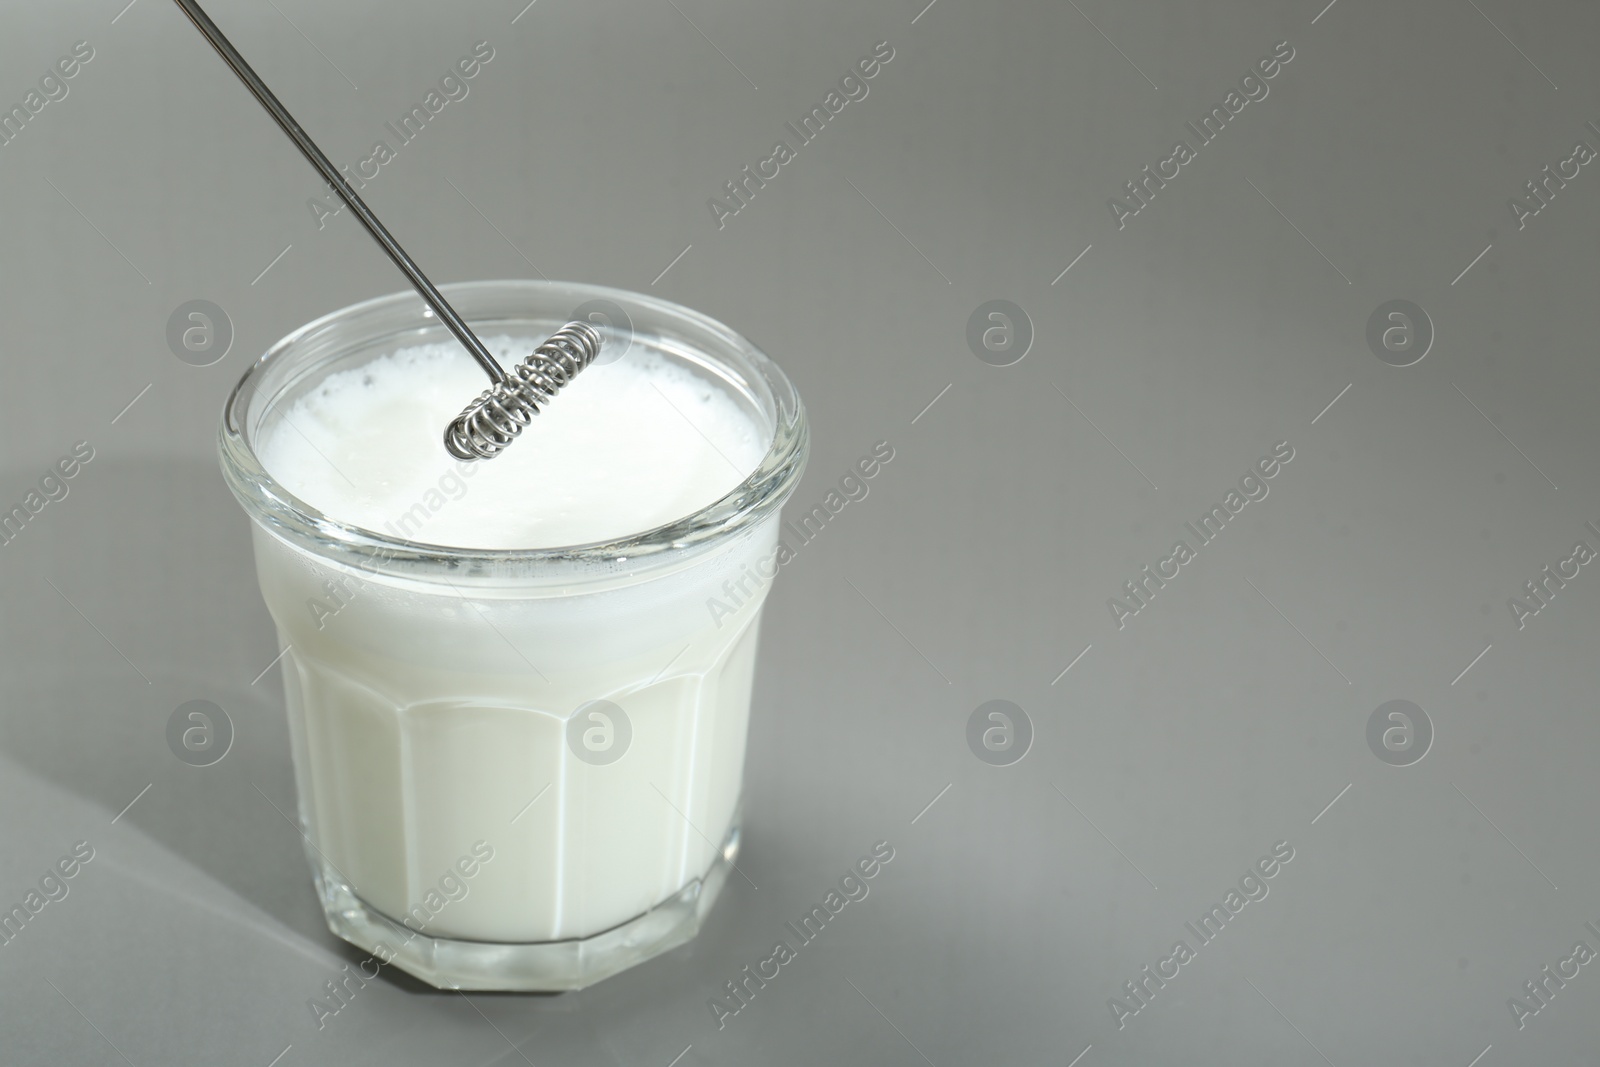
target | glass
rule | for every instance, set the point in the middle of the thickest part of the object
(517, 769)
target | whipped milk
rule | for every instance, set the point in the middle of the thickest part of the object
(626, 447)
(428, 716)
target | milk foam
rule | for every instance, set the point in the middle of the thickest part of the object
(628, 446)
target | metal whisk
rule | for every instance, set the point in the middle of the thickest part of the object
(504, 410)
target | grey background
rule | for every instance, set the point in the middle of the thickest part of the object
(1174, 753)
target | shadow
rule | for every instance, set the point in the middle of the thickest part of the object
(133, 594)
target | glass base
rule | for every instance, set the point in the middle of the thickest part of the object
(540, 966)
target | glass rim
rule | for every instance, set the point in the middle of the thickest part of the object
(272, 505)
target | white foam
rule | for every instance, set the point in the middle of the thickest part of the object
(626, 447)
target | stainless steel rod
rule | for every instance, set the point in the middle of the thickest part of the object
(309, 149)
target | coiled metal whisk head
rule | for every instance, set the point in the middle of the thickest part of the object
(504, 410)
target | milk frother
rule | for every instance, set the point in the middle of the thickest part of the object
(501, 412)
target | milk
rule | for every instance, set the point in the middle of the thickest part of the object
(431, 718)
(627, 446)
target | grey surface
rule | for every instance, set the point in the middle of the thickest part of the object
(1222, 319)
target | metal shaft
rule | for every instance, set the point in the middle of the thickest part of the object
(309, 149)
